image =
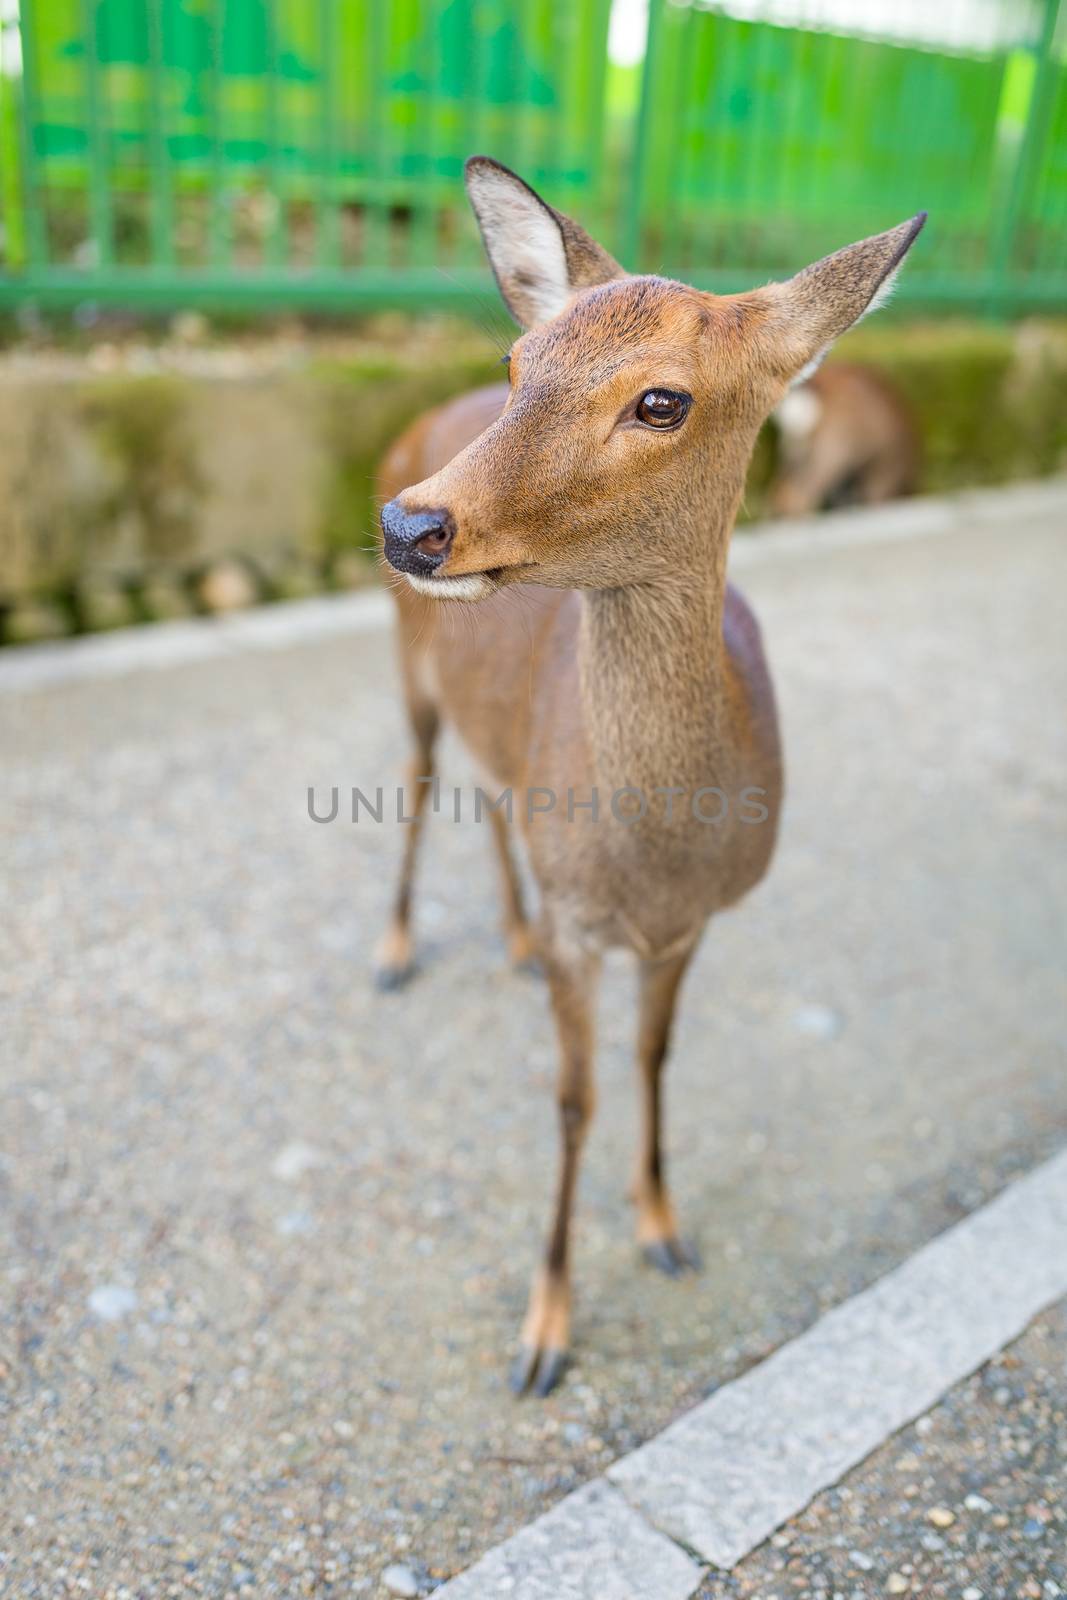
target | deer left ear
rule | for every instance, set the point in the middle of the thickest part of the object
(539, 257)
(813, 309)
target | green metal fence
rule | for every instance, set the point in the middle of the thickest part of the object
(762, 144)
(309, 152)
(268, 151)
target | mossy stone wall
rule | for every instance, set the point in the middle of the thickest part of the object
(153, 470)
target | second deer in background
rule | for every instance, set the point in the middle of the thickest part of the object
(845, 437)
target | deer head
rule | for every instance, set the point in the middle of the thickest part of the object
(633, 406)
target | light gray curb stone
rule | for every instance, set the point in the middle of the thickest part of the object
(726, 1475)
(154, 647)
(722, 1479)
(591, 1546)
(917, 518)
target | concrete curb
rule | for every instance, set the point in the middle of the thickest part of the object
(901, 519)
(157, 646)
(722, 1478)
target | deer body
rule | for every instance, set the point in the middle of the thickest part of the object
(564, 693)
(587, 506)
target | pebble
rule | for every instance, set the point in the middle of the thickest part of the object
(294, 1159)
(977, 1502)
(897, 1583)
(295, 1224)
(818, 1022)
(400, 1580)
(941, 1516)
(227, 586)
(971, 1593)
(111, 1302)
(858, 1559)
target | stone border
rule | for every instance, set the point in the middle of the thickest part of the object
(721, 1479)
(156, 646)
(901, 519)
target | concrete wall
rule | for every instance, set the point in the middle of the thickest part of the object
(127, 475)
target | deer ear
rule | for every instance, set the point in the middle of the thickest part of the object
(813, 309)
(539, 257)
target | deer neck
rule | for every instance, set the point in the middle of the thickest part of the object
(654, 677)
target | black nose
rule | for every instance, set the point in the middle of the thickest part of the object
(416, 541)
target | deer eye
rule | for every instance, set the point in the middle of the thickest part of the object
(662, 408)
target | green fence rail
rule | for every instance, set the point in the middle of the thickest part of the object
(306, 153)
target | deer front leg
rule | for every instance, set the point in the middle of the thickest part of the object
(546, 1330)
(522, 949)
(657, 1230)
(392, 958)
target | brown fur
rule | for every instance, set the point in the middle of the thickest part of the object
(610, 650)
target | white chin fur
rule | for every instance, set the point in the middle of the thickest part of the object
(473, 586)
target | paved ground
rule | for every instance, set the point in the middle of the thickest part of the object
(971, 1502)
(270, 1232)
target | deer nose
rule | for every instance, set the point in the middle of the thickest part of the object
(416, 541)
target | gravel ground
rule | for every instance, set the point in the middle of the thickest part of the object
(970, 1503)
(268, 1233)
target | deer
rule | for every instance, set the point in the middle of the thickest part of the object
(846, 434)
(580, 515)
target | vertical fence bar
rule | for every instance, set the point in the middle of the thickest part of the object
(33, 189)
(687, 133)
(525, 132)
(713, 52)
(100, 211)
(375, 125)
(753, 203)
(161, 232)
(547, 43)
(424, 178)
(593, 120)
(327, 200)
(633, 230)
(471, 112)
(218, 209)
(1005, 267)
(276, 231)
(12, 201)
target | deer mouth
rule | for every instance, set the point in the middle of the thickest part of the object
(465, 585)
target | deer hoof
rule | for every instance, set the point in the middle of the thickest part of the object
(389, 979)
(672, 1257)
(393, 963)
(537, 1370)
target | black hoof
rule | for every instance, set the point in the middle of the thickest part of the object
(389, 979)
(672, 1257)
(537, 1370)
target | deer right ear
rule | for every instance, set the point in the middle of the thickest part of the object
(813, 309)
(539, 257)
